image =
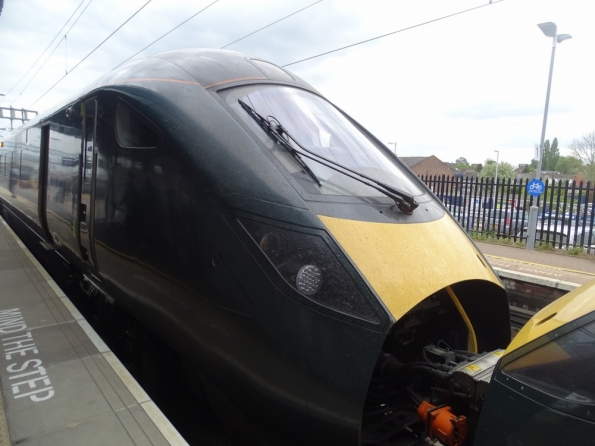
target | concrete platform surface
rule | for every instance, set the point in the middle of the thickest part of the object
(544, 264)
(60, 384)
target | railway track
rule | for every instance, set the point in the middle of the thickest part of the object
(519, 317)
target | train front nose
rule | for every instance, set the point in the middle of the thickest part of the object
(406, 263)
(450, 316)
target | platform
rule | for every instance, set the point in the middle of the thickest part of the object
(60, 384)
(559, 270)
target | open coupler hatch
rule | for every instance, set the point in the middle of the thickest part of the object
(430, 382)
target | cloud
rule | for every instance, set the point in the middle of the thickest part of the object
(463, 86)
(495, 110)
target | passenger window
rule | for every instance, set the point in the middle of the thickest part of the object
(132, 132)
(88, 152)
(563, 368)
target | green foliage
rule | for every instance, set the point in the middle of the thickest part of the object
(462, 160)
(551, 153)
(505, 171)
(483, 236)
(584, 150)
(531, 167)
(576, 251)
(492, 237)
(543, 246)
(568, 165)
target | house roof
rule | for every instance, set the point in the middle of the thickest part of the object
(412, 160)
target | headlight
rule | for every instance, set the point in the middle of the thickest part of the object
(308, 280)
(309, 266)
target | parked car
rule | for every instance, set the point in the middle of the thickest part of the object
(563, 235)
(505, 222)
(555, 234)
(584, 238)
(579, 215)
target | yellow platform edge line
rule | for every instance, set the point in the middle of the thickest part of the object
(541, 264)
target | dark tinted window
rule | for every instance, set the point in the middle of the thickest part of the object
(563, 368)
(323, 130)
(132, 131)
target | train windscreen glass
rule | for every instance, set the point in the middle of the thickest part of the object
(562, 368)
(322, 129)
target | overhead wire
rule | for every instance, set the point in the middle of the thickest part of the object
(43, 52)
(77, 19)
(169, 32)
(248, 35)
(56, 47)
(391, 33)
(92, 51)
(229, 44)
(270, 24)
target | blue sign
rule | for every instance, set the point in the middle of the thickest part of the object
(535, 188)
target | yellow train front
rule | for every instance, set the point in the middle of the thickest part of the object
(313, 286)
(542, 391)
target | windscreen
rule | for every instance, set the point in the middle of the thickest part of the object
(563, 368)
(324, 130)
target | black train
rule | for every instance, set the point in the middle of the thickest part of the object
(314, 287)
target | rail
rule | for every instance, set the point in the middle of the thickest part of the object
(518, 318)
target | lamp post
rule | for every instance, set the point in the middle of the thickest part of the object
(395, 143)
(550, 30)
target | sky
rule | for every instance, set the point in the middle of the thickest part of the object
(467, 85)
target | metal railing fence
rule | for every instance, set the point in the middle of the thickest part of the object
(566, 216)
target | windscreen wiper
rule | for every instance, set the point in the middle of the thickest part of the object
(404, 201)
(267, 127)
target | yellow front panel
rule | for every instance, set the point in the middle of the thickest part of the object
(569, 307)
(405, 263)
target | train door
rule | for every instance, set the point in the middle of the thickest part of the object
(88, 172)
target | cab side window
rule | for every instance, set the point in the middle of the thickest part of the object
(563, 368)
(133, 131)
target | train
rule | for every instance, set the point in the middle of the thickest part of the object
(541, 390)
(316, 291)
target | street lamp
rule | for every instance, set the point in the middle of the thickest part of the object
(550, 30)
(395, 143)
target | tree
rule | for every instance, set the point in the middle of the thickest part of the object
(531, 167)
(584, 150)
(568, 165)
(551, 153)
(505, 171)
(462, 163)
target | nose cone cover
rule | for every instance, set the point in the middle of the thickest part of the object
(406, 263)
(566, 309)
